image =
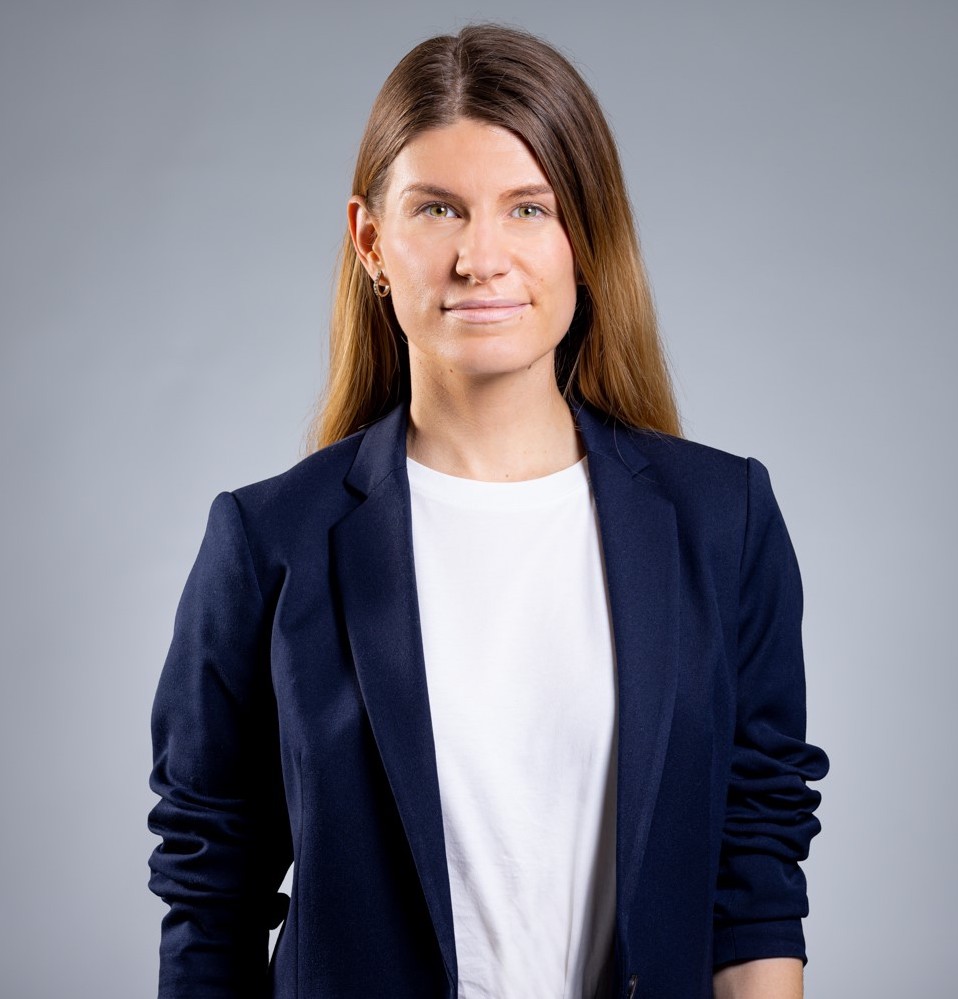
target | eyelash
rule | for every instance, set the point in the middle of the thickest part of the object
(440, 204)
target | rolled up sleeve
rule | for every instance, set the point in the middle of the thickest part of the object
(221, 813)
(769, 821)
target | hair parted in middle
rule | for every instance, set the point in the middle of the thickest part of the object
(612, 355)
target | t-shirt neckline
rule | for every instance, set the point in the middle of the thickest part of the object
(479, 493)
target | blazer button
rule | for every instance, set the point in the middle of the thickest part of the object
(630, 988)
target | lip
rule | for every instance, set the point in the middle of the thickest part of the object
(486, 310)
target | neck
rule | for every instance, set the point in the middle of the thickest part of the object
(499, 429)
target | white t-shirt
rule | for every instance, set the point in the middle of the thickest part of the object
(521, 677)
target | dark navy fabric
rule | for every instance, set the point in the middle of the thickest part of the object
(291, 722)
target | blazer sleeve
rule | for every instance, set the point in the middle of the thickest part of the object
(761, 893)
(222, 813)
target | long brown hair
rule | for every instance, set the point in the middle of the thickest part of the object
(612, 355)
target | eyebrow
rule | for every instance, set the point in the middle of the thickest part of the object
(529, 191)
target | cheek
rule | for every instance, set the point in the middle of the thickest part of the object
(413, 270)
(558, 257)
(412, 285)
(562, 279)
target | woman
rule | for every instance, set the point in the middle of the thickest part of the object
(508, 668)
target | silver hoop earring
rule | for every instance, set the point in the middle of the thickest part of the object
(380, 290)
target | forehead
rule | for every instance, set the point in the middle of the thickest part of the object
(468, 157)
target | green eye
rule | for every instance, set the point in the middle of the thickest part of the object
(438, 211)
(529, 211)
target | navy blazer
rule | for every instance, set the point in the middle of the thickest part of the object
(291, 723)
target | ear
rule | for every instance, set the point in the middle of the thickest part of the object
(364, 232)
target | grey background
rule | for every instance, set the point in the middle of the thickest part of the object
(173, 178)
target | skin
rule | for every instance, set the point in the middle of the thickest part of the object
(468, 217)
(770, 978)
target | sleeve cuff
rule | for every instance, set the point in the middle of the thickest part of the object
(734, 944)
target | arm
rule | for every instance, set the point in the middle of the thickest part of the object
(222, 812)
(780, 977)
(761, 896)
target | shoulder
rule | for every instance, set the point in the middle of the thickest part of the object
(689, 470)
(679, 455)
(706, 471)
(717, 494)
(311, 490)
(698, 478)
(610, 436)
(720, 497)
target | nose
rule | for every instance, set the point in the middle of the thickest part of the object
(483, 251)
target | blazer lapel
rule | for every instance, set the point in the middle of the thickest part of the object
(639, 538)
(372, 559)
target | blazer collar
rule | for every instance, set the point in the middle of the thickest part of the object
(383, 447)
(381, 451)
(372, 561)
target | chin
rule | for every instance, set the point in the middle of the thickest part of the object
(487, 353)
(491, 367)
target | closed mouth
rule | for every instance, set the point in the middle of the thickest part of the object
(485, 303)
(487, 310)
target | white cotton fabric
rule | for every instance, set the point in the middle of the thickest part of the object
(521, 676)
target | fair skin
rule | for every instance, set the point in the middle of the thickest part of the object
(770, 978)
(483, 285)
(483, 282)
